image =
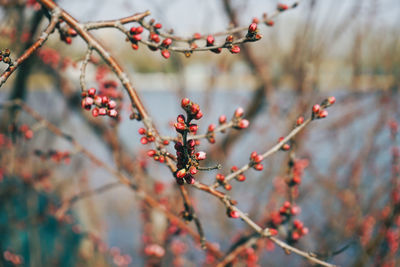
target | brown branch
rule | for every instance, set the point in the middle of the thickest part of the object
(39, 42)
(111, 23)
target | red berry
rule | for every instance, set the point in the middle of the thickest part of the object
(112, 104)
(181, 173)
(323, 114)
(234, 214)
(235, 49)
(87, 102)
(98, 100)
(113, 113)
(102, 111)
(68, 40)
(193, 128)
(300, 121)
(304, 231)
(142, 131)
(72, 32)
(234, 168)
(253, 27)
(185, 102)
(259, 167)
(241, 177)
(211, 127)
(95, 112)
(154, 37)
(282, 7)
(137, 37)
(286, 147)
(105, 100)
(180, 126)
(295, 236)
(144, 140)
(151, 153)
(165, 53)
(132, 30)
(331, 100)
(258, 159)
(229, 39)
(167, 42)
(227, 187)
(219, 177)
(273, 231)
(91, 92)
(139, 30)
(180, 118)
(253, 155)
(243, 124)
(193, 170)
(201, 155)
(135, 46)
(286, 204)
(270, 23)
(194, 109)
(210, 40)
(158, 26)
(199, 115)
(28, 134)
(316, 108)
(222, 119)
(239, 112)
(197, 36)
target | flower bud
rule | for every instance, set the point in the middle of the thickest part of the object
(201, 155)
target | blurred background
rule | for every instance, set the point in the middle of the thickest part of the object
(349, 195)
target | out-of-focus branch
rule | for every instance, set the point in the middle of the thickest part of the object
(39, 42)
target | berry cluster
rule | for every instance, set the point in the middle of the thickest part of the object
(5, 56)
(221, 180)
(66, 34)
(255, 160)
(286, 211)
(298, 231)
(285, 147)
(56, 156)
(188, 159)
(148, 136)
(103, 104)
(238, 121)
(298, 169)
(135, 36)
(252, 32)
(319, 111)
(23, 130)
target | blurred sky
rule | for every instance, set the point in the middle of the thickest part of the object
(189, 16)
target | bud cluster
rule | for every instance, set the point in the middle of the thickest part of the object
(238, 121)
(285, 147)
(66, 34)
(102, 104)
(135, 36)
(252, 32)
(319, 111)
(148, 137)
(23, 130)
(5, 56)
(188, 159)
(298, 169)
(298, 231)
(255, 160)
(54, 155)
